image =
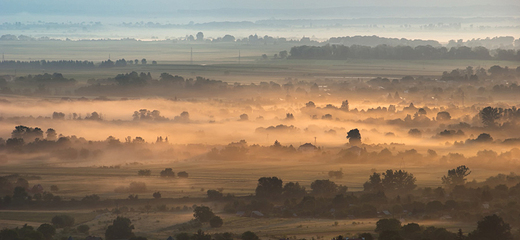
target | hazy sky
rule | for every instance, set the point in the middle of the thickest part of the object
(184, 11)
(50, 6)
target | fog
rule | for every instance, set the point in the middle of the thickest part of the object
(258, 120)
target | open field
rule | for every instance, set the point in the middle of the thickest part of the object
(219, 61)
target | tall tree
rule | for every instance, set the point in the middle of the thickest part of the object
(269, 187)
(456, 176)
(489, 115)
(354, 137)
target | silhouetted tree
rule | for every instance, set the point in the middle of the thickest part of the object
(200, 36)
(121, 228)
(83, 228)
(443, 116)
(182, 174)
(214, 194)
(157, 195)
(203, 213)
(249, 236)
(398, 180)
(269, 188)
(489, 115)
(216, 222)
(388, 224)
(374, 183)
(324, 188)
(47, 230)
(456, 176)
(167, 172)
(60, 221)
(354, 137)
(491, 227)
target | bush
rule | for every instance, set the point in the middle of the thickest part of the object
(216, 222)
(214, 194)
(61, 221)
(144, 172)
(47, 230)
(249, 236)
(203, 213)
(83, 228)
(182, 174)
(167, 172)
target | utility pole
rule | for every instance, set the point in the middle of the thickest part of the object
(238, 56)
(314, 141)
(191, 55)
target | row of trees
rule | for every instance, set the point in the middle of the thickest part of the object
(273, 188)
(69, 64)
(43, 64)
(340, 52)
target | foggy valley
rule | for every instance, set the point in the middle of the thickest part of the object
(251, 120)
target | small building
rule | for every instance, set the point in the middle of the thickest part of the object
(257, 214)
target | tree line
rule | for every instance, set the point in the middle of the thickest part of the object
(70, 64)
(427, 52)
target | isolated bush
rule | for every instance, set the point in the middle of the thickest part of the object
(157, 195)
(167, 172)
(83, 228)
(183, 174)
